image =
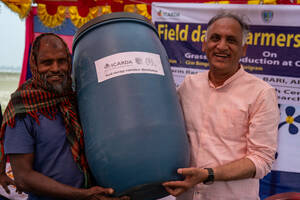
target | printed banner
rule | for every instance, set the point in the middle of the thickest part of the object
(272, 55)
(273, 43)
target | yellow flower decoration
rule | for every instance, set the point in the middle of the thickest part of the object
(220, 2)
(77, 20)
(142, 10)
(21, 8)
(119, 1)
(269, 1)
(138, 8)
(289, 119)
(253, 1)
(51, 20)
(130, 8)
(106, 9)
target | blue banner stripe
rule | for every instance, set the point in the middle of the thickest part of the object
(66, 28)
(278, 182)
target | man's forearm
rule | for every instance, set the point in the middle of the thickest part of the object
(240, 169)
(39, 184)
(3, 165)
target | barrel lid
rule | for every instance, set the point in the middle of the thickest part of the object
(108, 17)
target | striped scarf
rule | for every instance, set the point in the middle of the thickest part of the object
(34, 100)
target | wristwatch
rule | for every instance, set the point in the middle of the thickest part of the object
(211, 177)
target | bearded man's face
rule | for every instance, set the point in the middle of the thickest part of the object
(53, 64)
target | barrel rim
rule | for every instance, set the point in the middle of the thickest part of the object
(106, 18)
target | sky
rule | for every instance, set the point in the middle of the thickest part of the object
(12, 37)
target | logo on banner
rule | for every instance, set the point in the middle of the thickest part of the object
(292, 119)
(267, 15)
(288, 140)
(159, 13)
(139, 61)
(168, 14)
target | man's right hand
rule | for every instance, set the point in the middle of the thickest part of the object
(102, 197)
(99, 193)
(5, 181)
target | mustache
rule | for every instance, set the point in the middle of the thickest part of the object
(44, 76)
(62, 74)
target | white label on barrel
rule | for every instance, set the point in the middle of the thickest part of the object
(128, 63)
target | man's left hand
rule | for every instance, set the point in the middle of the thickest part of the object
(192, 176)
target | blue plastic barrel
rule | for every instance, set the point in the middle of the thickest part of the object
(134, 130)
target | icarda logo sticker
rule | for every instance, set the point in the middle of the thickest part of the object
(291, 118)
(138, 60)
(126, 63)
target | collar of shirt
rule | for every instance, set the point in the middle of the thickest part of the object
(239, 73)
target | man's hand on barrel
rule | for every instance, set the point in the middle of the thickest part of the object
(5, 181)
(102, 197)
(193, 176)
(99, 193)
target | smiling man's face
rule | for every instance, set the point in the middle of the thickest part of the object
(223, 46)
(53, 64)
